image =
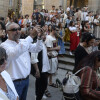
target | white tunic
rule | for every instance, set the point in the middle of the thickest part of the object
(96, 28)
(9, 82)
(51, 42)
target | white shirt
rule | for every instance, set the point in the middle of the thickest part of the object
(25, 21)
(47, 22)
(51, 16)
(51, 42)
(9, 82)
(18, 62)
(46, 66)
(84, 14)
(72, 28)
(88, 18)
(68, 9)
(96, 21)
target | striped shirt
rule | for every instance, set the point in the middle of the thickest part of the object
(89, 84)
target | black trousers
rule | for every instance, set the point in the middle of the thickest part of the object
(41, 85)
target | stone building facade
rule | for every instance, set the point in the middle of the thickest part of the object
(94, 5)
(8, 5)
(47, 4)
(56, 3)
(27, 6)
(4, 4)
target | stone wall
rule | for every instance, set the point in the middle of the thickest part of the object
(94, 5)
(48, 4)
(4, 4)
(27, 7)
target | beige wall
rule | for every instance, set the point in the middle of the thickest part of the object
(27, 7)
(94, 5)
(48, 3)
(4, 4)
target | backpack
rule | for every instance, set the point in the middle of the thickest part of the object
(71, 83)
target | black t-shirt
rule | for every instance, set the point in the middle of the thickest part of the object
(80, 53)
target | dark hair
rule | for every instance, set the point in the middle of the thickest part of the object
(59, 25)
(90, 60)
(26, 15)
(53, 28)
(2, 18)
(71, 23)
(86, 37)
(46, 18)
(95, 16)
(89, 12)
(2, 25)
(2, 53)
(53, 6)
(77, 9)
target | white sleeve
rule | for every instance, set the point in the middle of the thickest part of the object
(15, 52)
(70, 28)
(34, 58)
(36, 47)
(95, 21)
(48, 42)
(29, 39)
(87, 19)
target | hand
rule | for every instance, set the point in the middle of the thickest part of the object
(58, 48)
(17, 98)
(35, 31)
(37, 74)
(41, 32)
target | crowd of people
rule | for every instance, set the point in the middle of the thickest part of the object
(33, 43)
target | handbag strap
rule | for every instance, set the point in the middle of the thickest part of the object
(79, 70)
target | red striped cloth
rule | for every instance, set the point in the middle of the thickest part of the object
(89, 84)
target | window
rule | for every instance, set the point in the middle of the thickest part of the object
(10, 3)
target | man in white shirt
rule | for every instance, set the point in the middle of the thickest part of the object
(68, 9)
(53, 9)
(89, 17)
(41, 60)
(84, 14)
(18, 62)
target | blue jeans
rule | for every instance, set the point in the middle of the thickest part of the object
(22, 88)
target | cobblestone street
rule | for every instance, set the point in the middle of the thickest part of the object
(55, 92)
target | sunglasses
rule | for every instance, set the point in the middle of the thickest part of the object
(2, 61)
(15, 29)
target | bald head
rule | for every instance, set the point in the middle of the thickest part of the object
(13, 31)
(11, 25)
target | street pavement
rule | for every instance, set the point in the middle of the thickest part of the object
(56, 94)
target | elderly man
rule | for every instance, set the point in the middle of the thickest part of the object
(18, 62)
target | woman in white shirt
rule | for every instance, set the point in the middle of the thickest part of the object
(74, 39)
(96, 27)
(7, 89)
